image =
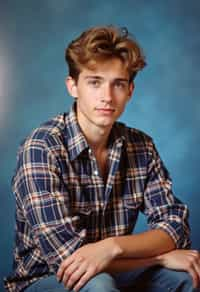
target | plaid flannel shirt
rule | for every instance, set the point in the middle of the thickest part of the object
(63, 203)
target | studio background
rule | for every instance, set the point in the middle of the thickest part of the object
(166, 101)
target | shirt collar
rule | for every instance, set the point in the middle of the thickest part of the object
(75, 139)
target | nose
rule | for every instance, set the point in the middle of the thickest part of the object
(107, 94)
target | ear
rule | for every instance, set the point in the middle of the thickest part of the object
(131, 89)
(71, 86)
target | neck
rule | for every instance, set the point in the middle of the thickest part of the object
(97, 137)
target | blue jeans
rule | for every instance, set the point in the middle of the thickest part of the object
(154, 279)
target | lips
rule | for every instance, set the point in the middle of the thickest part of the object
(105, 111)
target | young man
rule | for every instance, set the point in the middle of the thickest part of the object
(81, 180)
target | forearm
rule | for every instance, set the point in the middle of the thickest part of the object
(144, 245)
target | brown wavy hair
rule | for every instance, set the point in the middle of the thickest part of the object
(101, 43)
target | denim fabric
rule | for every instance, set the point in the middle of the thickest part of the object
(154, 279)
(100, 283)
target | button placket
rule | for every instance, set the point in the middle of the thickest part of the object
(94, 167)
(95, 170)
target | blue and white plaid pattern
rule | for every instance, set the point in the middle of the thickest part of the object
(62, 202)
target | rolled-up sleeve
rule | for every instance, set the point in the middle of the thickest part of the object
(163, 209)
(44, 200)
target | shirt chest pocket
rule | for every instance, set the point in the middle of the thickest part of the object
(134, 201)
(131, 208)
(84, 215)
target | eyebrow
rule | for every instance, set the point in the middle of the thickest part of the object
(101, 78)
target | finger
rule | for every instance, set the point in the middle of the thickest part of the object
(65, 264)
(198, 276)
(71, 270)
(195, 252)
(196, 260)
(197, 269)
(75, 277)
(63, 267)
(84, 279)
(194, 276)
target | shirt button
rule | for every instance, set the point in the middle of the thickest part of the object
(95, 172)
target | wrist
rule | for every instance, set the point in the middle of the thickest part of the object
(115, 249)
(160, 259)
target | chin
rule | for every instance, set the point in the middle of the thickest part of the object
(105, 124)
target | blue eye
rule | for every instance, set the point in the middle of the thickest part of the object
(120, 85)
(94, 83)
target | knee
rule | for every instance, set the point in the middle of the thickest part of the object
(174, 280)
(184, 282)
(102, 282)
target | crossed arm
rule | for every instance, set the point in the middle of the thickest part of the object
(125, 253)
(48, 216)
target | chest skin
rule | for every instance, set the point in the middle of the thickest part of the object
(103, 165)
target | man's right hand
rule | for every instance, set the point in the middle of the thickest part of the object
(185, 260)
(86, 262)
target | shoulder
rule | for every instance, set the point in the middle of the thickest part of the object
(48, 135)
(134, 137)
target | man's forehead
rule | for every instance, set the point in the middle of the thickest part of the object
(113, 68)
(103, 77)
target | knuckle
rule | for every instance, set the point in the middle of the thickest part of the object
(189, 265)
(196, 256)
(196, 260)
(94, 269)
(72, 278)
(81, 258)
(191, 259)
(67, 274)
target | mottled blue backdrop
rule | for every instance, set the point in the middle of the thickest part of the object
(166, 103)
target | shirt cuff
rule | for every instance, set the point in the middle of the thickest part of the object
(176, 232)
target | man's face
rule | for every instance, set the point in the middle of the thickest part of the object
(101, 93)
